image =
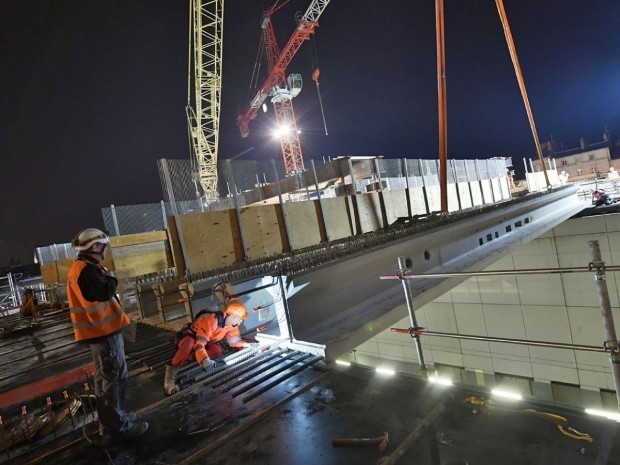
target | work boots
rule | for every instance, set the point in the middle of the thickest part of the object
(169, 380)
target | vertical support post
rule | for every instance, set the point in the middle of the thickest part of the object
(497, 175)
(352, 176)
(56, 258)
(424, 190)
(285, 304)
(402, 269)
(479, 176)
(378, 171)
(611, 339)
(236, 201)
(456, 183)
(407, 191)
(318, 194)
(533, 174)
(442, 105)
(259, 187)
(384, 221)
(356, 213)
(15, 294)
(491, 180)
(163, 215)
(114, 220)
(175, 212)
(468, 178)
(284, 217)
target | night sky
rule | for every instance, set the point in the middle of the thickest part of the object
(94, 92)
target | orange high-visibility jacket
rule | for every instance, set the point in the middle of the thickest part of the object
(91, 319)
(208, 330)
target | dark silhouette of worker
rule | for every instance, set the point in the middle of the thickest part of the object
(28, 308)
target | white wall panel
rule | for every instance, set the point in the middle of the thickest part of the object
(512, 367)
(467, 292)
(547, 307)
(555, 373)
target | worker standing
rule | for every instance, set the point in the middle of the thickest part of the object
(98, 320)
(201, 337)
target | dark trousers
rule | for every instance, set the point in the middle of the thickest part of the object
(111, 382)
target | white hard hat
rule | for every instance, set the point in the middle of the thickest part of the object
(89, 236)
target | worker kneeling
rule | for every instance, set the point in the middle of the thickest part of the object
(202, 336)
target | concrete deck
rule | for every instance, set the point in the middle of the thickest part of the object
(295, 422)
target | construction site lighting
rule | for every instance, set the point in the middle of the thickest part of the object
(440, 381)
(264, 108)
(343, 363)
(385, 371)
(281, 131)
(507, 394)
(604, 413)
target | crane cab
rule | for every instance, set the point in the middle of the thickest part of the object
(295, 83)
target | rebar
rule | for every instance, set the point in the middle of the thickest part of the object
(278, 380)
(251, 371)
(266, 376)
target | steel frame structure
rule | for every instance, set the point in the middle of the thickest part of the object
(203, 118)
(275, 83)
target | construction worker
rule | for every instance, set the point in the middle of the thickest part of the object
(201, 337)
(28, 308)
(98, 320)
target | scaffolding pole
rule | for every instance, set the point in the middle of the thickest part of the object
(611, 344)
(402, 269)
(611, 340)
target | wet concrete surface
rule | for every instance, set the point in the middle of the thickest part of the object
(295, 422)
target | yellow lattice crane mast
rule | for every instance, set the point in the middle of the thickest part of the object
(205, 79)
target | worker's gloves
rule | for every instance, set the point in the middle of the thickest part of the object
(208, 364)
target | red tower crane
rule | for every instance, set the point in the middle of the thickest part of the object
(282, 90)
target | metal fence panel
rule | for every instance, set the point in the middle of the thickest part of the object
(254, 181)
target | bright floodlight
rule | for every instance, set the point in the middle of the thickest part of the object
(506, 394)
(603, 413)
(343, 363)
(385, 371)
(281, 131)
(264, 108)
(441, 381)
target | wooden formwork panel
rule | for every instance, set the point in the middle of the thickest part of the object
(139, 238)
(303, 222)
(395, 202)
(338, 218)
(418, 205)
(65, 264)
(370, 212)
(211, 239)
(139, 254)
(142, 263)
(49, 274)
(263, 230)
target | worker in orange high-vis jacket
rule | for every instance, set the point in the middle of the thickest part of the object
(201, 338)
(98, 320)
